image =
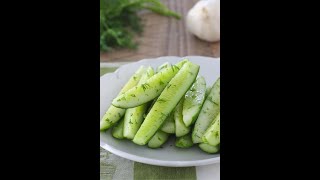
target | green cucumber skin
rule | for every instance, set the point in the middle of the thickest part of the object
(209, 111)
(150, 107)
(169, 125)
(184, 141)
(134, 116)
(147, 91)
(208, 91)
(209, 149)
(113, 113)
(194, 99)
(181, 128)
(158, 139)
(166, 102)
(112, 116)
(212, 134)
(117, 130)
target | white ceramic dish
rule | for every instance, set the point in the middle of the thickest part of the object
(169, 155)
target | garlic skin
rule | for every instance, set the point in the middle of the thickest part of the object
(203, 20)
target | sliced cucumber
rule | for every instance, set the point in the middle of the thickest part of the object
(169, 125)
(133, 120)
(184, 141)
(209, 111)
(150, 107)
(134, 116)
(162, 66)
(117, 130)
(181, 128)
(212, 134)
(158, 139)
(166, 102)
(208, 148)
(147, 91)
(114, 114)
(208, 91)
(193, 101)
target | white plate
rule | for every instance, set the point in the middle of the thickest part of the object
(169, 155)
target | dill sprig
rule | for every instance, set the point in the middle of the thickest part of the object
(145, 86)
(119, 21)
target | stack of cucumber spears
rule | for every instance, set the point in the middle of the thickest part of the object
(171, 100)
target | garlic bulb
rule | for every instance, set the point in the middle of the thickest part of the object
(203, 20)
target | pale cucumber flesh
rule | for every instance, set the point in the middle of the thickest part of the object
(166, 102)
(134, 116)
(134, 80)
(147, 91)
(181, 128)
(132, 120)
(113, 113)
(158, 139)
(153, 102)
(112, 116)
(162, 66)
(209, 149)
(117, 130)
(193, 101)
(147, 75)
(212, 134)
(184, 141)
(209, 111)
(169, 125)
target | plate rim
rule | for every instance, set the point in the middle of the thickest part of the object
(155, 161)
(159, 162)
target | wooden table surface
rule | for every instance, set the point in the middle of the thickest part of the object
(165, 36)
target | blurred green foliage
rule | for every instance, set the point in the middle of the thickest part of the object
(119, 21)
